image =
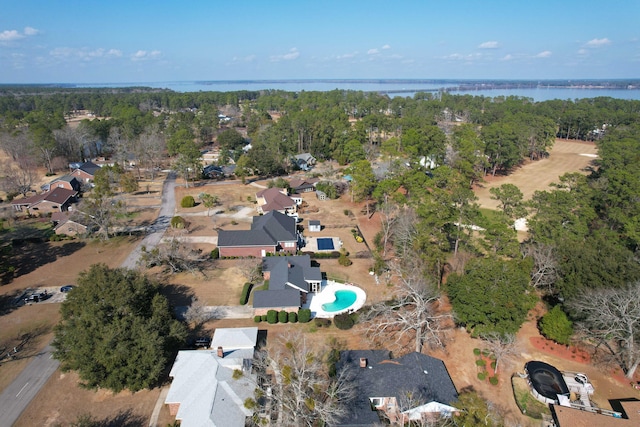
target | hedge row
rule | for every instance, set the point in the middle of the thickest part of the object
(274, 316)
(246, 290)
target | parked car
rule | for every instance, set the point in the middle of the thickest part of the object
(37, 297)
(66, 288)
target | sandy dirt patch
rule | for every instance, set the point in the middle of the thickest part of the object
(564, 157)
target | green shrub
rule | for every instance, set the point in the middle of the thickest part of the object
(188, 202)
(322, 322)
(178, 222)
(556, 326)
(476, 351)
(493, 380)
(257, 319)
(485, 352)
(493, 365)
(304, 315)
(343, 321)
(344, 260)
(272, 317)
(283, 316)
(263, 317)
(246, 291)
(482, 376)
(293, 317)
(215, 253)
(481, 362)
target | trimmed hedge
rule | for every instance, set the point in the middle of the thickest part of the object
(246, 291)
(257, 319)
(322, 322)
(293, 317)
(493, 380)
(272, 317)
(283, 316)
(215, 253)
(304, 315)
(343, 321)
(188, 202)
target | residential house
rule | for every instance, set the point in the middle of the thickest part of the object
(67, 181)
(304, 161)
(209, 387)
(303, 185)
(85, 172)
(412, 387)
(276, 199)
(627, 413)
(56, 200)
(290, 278)
(270, 233)
(65, 224)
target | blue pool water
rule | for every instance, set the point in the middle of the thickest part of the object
(325, 244)
(344, 299)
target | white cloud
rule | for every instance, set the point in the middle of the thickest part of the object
(583, 52)
(386, 46)
(248, 58)
(10, 35)
(13, 35)
(30, 31)
(507, 57)
(293, 53)
(347, 55)
(544, 54)
(84, 54)
(489, 45)
(143, 55)
(373, 52)
(598, 42)
(461, 57)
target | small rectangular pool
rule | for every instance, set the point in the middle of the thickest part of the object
(325, 244)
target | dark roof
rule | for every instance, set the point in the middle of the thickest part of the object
(266, 230)
(296, 270)
(56, 195)
(425, 376)
(89, 167)
(275, 200)
(276, 298)
(314, 222)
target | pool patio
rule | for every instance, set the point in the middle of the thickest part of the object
(327, 295)
(312, 245)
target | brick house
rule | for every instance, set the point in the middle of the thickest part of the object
(85, 172)
(270, 233)
(57, 200)
(67, 181)
(290, 278)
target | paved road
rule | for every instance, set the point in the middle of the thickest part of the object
(17, 396)
(23, 389)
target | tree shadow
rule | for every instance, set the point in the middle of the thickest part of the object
(178, 295)
(27, 256)
(10, 301)
(124, 418)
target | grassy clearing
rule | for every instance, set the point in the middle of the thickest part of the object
(528, 404)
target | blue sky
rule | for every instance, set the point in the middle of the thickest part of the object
(45, 41)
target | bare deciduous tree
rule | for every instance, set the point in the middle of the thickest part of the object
(198, 313)
(150, 149)
(250, 268)
(388, 216)
(405, 231)
(100, 212)
(503, 347)
(414, 310)
(611, 317)
(302, 390)
(545, 266)
(176, 255)
(19, 176)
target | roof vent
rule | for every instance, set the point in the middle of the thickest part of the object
(220, 352)
(363, 362)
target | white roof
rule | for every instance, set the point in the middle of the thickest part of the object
(234, 338)
(203, 383)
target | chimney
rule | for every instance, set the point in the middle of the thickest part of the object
(363, 362)
(220, 352)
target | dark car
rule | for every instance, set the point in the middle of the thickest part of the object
(66, 288)
(37, 297)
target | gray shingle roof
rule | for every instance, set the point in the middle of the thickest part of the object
(89, 167)
(424, 376)
(268, 229)
(276, 298)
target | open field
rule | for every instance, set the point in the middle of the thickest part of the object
(564, 157)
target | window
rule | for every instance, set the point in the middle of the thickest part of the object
(289, 244)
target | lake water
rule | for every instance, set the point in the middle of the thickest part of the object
(394, 88)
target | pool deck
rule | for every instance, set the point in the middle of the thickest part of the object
(327, 295)
(311, 244)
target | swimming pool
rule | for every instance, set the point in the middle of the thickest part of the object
(325, 244)
(344, 299)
